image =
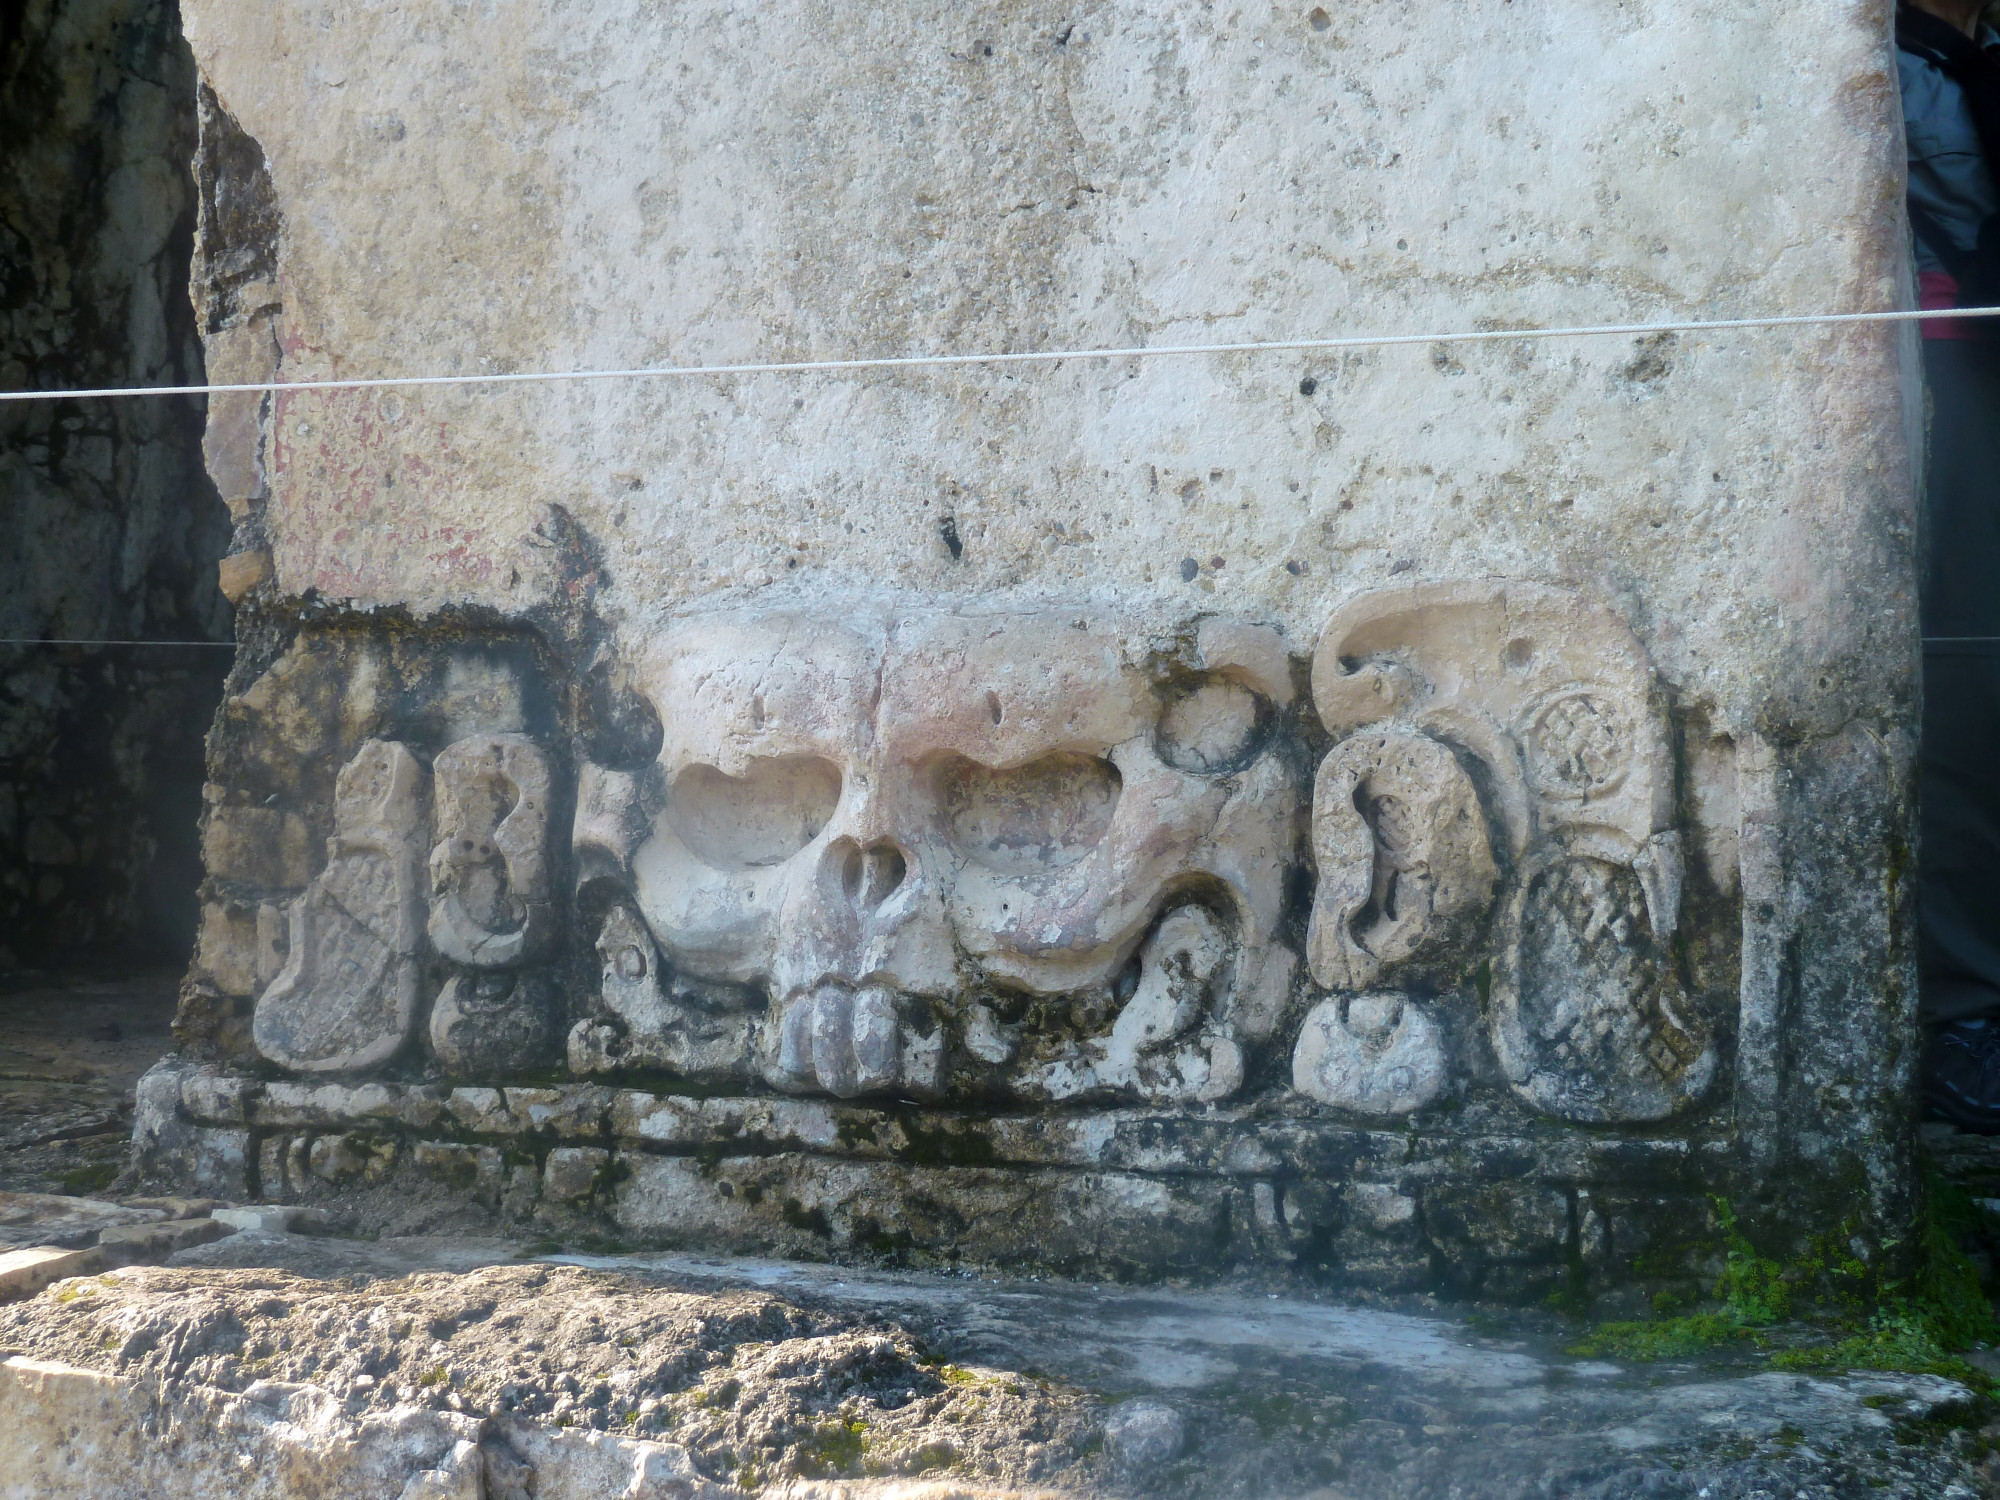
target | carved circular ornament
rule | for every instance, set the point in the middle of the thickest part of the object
(1579, 744)
(1384, 1057)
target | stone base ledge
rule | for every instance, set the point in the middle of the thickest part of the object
(1469, 1207)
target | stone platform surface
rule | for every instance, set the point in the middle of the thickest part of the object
(282, 1365)
(71, 1049)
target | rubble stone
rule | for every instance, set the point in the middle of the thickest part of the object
(23, 1272)
(367, 1369)
(1144, 1434)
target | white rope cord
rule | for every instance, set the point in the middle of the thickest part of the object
(1038, 356)
(1929, 640)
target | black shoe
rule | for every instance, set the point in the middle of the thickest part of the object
(1961, 1074)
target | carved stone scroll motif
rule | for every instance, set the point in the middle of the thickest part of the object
(491, 906)
(1401, 847)
(1533, 710)
(703, 1033)
(937, 843)
(348, 992)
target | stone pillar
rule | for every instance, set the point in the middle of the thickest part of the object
(1427, 815)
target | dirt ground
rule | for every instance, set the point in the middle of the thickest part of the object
(70, 1052)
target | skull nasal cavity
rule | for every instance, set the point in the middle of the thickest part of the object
(871, 876)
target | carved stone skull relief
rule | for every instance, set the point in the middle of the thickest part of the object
(1032, 852)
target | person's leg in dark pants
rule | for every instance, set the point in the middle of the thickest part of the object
(1959, 852)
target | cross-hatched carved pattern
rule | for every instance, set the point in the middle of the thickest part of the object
(1596, 988)
(1579, 745)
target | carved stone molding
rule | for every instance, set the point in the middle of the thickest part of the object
(1039, 857)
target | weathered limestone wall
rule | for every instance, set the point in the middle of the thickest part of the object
(112, 530)
(1426, 816)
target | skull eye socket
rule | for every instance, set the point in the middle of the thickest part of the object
(762, 817)
(1213, 726)
(1046, 814)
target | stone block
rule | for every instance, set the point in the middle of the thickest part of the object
(272, 1218)
(216, 1098)
(159, 1124)
(1650, 1239)
(257, 845)
(539, 1109)
(216, 1163)
(274, 938)
(177, 1208)
(578, 1112)
(482, 1111)
(573, 1112)
(1078, 1223)
(240, 572)
(285, 1102)
(477, 1171)
(572, 1173)
(233, 442)
(521, 1193)
(26, 1271)
(664, 1121)
(1504, 1240)
(349, 1155)
(283, 1170)
(28, 1219)
(226, 947)
(149, 1244)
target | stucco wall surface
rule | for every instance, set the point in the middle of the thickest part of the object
(489, 187)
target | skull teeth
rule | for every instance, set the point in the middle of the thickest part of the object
(842, 1040)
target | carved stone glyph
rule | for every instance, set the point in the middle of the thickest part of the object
(935, 840)
(348, 992)
(1551, 700)
(1545, 688)
(491, 1023)
(1590, 1019)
